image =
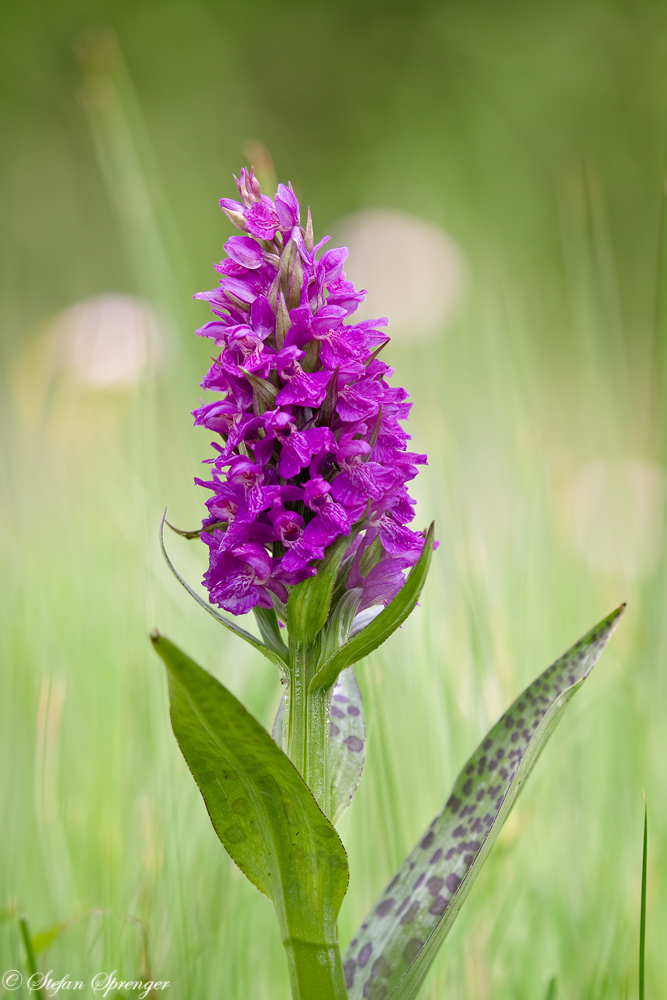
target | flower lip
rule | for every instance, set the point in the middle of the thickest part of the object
(289, 525)
(317, 493)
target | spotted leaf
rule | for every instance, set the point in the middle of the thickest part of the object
(347, 745)
(399, 939)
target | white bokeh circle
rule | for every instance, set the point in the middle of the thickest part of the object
(414, 273)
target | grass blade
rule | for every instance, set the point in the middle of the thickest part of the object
(30, 960)
(399, 939)
(642, 921)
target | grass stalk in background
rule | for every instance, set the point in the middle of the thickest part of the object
(30, 959)
(642, 919)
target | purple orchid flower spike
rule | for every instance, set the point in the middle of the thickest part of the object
(309, 426)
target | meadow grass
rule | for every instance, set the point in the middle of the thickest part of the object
(104, 836)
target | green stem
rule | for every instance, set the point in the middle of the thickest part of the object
(315, 966)
(306, 723)
(315, 970)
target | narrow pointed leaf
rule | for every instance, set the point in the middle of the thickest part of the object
(232, 626)
(196, 532)
(340, 622)
(267, 622)
(261, 808)
(399, 939)
(266, 391)
(386, 622)
(309, 602)
(309, 239)
(283, 321)
(326, 410)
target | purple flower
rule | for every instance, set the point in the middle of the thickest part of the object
(309, 444)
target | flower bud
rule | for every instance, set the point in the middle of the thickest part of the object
(248, 187)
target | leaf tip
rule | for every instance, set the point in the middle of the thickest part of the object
(614, 618)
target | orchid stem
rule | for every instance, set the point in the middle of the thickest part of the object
(315, 967)
(315, 970)
(306, 728)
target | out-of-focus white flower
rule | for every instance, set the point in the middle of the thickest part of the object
(107, 342)
(415, 273)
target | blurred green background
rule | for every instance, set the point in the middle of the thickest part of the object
(534, 134)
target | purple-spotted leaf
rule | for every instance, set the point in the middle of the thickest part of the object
(347, 744)
(398, 941)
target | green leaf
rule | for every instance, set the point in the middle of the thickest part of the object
(347, 741)
(347, 746)
(386, 622)
(261, 809)
(340, 622)
(309, 602)
(267, 622)
(392, 954)
(232, 626)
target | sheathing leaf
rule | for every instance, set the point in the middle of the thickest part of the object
(347, 745)
(398, 941)
(260, 806)
(347, 742)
